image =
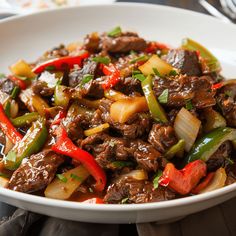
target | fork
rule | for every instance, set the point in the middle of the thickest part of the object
(229, 7)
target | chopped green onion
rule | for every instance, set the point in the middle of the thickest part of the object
(86, 79)
(156, 72)
(229, 93)
(62, 178)
(11, 156)
(15, 92)
(135, 72)
(132, 52)
(140, 77)
(50, 68)
(103, 60)
(163, 98)
(8, 109)
(230, 161)
(115, 32)
(124, 200)
(189, 105)
(73, 176)
(156, 179)
(173, 73)
(141, 58)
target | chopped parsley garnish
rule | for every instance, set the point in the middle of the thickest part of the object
(124, 200)
(15, 92)
(156, 72)
(76, 177)
(173, 73)
(115, 32)
(103, 60)
(163, 98)
(11, 156)
(50, 68)
(141, 58)
(62, 178)
(86, 79)
(229, 93)
(140, 77)
(189, 105)
(156, 179)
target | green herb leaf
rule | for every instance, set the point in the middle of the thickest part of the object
(156, 179)
(229, 93)
(189, 105)
(103, 60)
(156, 72)
(140, 77)
(141, 58)
(11, 156)
(124, 200)
(115, 32)
(2, 76)
(15, 92)
(86, 79)
(62, 178)
(173, 73)
(73, 176)
(50, 68)
(163, 98)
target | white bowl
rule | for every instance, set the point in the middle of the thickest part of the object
(29, 36)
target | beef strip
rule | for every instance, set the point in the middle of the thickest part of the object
(91, 42)
(36, 173)
(128, 86)
(183, 88)
(6, 85)
(106, 149)
(137, 191)
(137, 126)
(162, 137)
(217, 160)
(92, 88)
(41, 88)
(124, 43)
(226, 99)
(185, 60)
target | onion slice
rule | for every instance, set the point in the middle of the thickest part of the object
(186, 127)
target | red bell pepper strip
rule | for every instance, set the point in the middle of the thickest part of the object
(94, 200)
(7, 127)
(154, 46)
(19, 82)
(66, 147)
(57, 119)
(58, 63)
(183, 181)
(217, 86)
(113, 76)
(203, 184)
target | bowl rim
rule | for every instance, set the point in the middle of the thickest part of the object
(39, 200)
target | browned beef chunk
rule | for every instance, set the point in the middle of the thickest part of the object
(185, 60)
(145, 154)
(231, 173)
(123, 43)
(59, 51)
(218, 158)
(106, 149)
(91, 88)
(226, 99)
(36, 173)
(2, 143)
(184, 88)
(41, 88)
(129, 86)
(162, 137)
(6, 85)
(137, 126)
(137, 191)
(91, 42)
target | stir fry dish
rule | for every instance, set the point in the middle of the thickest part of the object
(118, 119)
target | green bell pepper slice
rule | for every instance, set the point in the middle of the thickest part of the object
(31, 143)
(211, 61)
(208, 144)
(26, 119)
(155, 108)
(61, 96)
(176, 149)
